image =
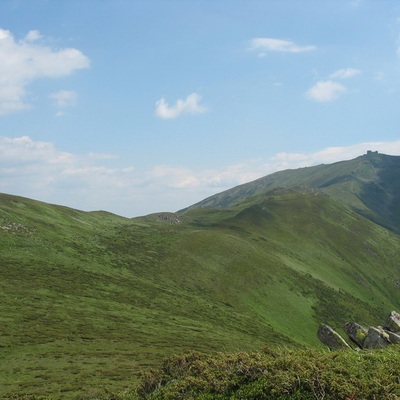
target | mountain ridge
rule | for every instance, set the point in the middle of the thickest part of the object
(368, 184)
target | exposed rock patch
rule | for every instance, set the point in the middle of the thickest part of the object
(331, 338)
(165, 217)
(356, 333)
(10, 226)
(376, 338)
(393, 322)
(372, 338)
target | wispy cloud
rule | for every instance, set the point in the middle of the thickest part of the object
(190, 105)
(325, 91)
(265, 45)
(330, 90)
(92, 181)
(345, 73)
(64, 98)
(28, 59)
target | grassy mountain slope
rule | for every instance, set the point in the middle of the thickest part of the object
(90, 299)
(369, 184)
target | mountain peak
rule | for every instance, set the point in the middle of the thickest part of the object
(368, 184)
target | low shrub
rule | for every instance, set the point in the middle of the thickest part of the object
(277, 374)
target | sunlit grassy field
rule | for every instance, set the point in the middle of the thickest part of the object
(88, 301)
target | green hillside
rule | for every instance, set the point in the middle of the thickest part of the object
(88, 300)
(369, 184)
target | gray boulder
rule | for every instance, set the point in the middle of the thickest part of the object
(376, 339)
(393, 322)
(393, 337)
(331, 338)
(356, 333)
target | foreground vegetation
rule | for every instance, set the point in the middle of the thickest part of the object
(277, 374)
(271, 374)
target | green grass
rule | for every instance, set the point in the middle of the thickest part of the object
(89, 300)
(273, 373)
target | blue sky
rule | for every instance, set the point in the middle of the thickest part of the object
(142, 106)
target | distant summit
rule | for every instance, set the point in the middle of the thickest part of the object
(368, 184)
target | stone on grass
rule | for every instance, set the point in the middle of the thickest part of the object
(393, 337)
(356, 332)
(331, 338)
(393, 322)
(376, 339)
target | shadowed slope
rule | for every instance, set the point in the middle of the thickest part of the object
(369, 184)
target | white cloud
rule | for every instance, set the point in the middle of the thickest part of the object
(27, 60)
(329, 90)
(188, 106)
(40, 171)
(32, 36)
(64, 98)
(325, 91)
(345, 73)
(23, 149)
(264, 45)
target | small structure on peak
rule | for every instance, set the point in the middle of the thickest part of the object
(370, 152)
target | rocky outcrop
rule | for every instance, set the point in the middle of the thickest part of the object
(372, 338)
(393, 337)
(393, 322)
(356, 333)
(331, 338)
(164, 217)
(14, 227)
(376, 339)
